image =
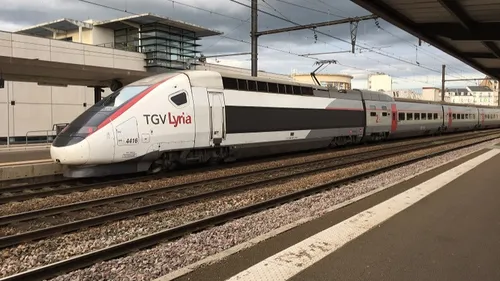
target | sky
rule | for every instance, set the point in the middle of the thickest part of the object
(380, 47)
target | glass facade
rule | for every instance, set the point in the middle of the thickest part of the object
(164, 46)
(338, 85)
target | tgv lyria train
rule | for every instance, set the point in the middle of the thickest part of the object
(205, 116)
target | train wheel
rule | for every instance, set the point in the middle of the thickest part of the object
(161, 164)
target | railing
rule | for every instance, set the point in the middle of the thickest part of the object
(48, 133)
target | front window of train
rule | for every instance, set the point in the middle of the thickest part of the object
(87, 122)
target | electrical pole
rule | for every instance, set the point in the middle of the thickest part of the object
(442, 81)
(254, 38)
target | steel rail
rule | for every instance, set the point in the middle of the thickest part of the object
(7, 219)
(45, 189)
(124, 248)
(12, 240)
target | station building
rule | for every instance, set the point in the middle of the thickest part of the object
(145, 42)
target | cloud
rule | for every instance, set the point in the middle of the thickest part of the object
(386, 49)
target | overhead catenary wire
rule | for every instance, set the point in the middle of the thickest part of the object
(369, 48)
(267, 47)
(343, 40)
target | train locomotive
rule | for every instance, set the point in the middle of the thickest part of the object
(185, 117)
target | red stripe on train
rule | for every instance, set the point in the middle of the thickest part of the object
(128, 105)
(394, 124)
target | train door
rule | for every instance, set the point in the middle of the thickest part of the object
(482, 118)
(394, 116)
(217, 117)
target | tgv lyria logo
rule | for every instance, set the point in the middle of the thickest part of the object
(172, 119)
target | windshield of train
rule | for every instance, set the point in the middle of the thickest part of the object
(121, 96)
(87, 122)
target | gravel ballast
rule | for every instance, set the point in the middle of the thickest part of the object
(49, 250)
(165, 196)
(167, 257)
(59, 200)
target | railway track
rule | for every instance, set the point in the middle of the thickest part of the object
(185, 194)
(66, 186)
(124, 248)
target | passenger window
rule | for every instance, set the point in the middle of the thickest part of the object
(454, 116)
(423, 116)
(401, 116)
(373, 114)
(384, 113)
(462, 116)
(409, 116)
(429, 116)
(417, 116)
(179, 99)
(273, 88)
(242, 85)
(435, 116)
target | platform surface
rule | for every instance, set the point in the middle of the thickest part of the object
(20, 155)
(451, 234)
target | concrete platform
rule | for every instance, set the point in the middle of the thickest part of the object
(24, 153)
(441, 225)
(38, 171)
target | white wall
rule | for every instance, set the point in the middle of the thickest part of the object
(39, 107)
(102, 36)
(378, 82)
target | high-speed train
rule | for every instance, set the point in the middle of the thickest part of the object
(204, 116)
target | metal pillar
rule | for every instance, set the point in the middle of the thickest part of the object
(8, 112)
(442, 81)
(97, 94)
(354, 32)
(254, 38)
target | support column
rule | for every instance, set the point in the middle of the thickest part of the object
(254, 38)
(97, 94)
(8, 114)
(80, 34)
(442, 82)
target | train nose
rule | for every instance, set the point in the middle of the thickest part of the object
(75, 154)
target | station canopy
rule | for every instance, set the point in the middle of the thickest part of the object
(59, 26)
(148, 18)
(468, 30)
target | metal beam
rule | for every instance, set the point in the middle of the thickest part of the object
(394, 17)
(316, 25)
(478, 55)
(456, 31)
(324, 53)
(227, 55)
(457, 11)
(493, 47)
(468, 79)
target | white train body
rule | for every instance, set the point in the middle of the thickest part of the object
(201, 116)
